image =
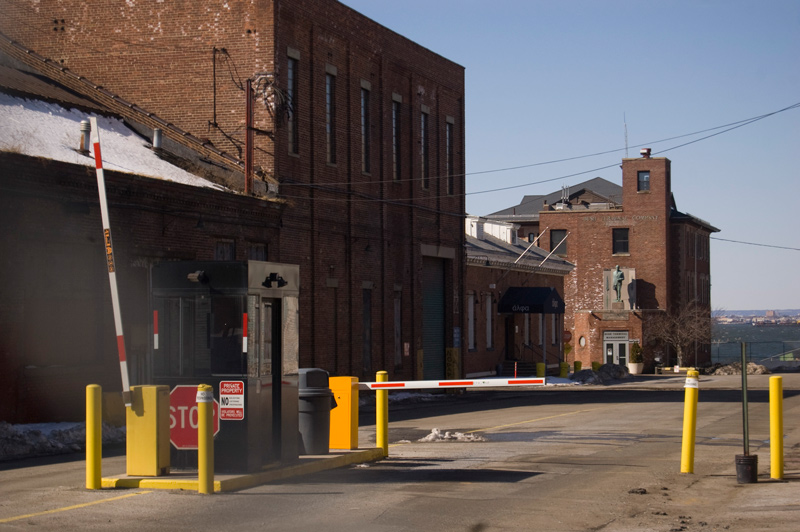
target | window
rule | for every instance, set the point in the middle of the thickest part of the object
(365, 132)
(556, 236)
(291, 96)
(423, 149)
(620, 238)
(471, 321)
(225, 250)
(396, 140)
(366, 333)
(450, 157)
(489, 324)
(330, 117)
(398, 329)
(257, 252)
(643, 181)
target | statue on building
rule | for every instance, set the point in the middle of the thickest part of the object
(616, 281)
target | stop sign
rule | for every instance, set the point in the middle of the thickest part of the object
(567, 336)
(183, 417)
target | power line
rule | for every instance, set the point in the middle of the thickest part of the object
(754, 244)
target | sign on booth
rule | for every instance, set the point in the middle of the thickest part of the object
(231, 400)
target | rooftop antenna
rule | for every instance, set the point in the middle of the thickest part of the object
(625, 122)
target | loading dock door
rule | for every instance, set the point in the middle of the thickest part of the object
(433, 319)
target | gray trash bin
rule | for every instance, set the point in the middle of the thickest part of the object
(315, 404)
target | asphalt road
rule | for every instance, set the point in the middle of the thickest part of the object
(594, 458)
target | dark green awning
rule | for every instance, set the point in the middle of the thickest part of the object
(535, 300)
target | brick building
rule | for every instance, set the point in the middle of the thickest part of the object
(514, 302)
(357, 129)
(662, 253)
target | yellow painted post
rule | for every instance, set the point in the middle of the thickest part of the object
(382, 414)
(596, 366)
(94, 436)
(776, 427)
(578, 366)
(689, 421)
(205, 439)
(540, 369)
(563, 370)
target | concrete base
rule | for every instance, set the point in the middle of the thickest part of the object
(306, 464)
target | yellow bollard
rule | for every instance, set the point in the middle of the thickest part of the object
(563, 370)
(776, 427)
(205, 439)
(94, 436)
(541, 369)
(596, 366)
(689, 421)
(382, 414)
(578, 366)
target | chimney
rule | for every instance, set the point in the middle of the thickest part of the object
(86, 130)
(156, 139)
(645, 152)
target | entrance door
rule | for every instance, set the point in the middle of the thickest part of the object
(616, 347)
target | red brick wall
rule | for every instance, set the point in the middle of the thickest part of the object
(54, 299)
(341, 226)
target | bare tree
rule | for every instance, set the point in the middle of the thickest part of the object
(681, 327)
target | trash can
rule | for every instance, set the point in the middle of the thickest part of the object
(315, 404)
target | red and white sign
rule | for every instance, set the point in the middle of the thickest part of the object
(231, 400)
(567, 336)
(183, 417)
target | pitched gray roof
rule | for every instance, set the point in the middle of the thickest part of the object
(531, 205)
(493, 252)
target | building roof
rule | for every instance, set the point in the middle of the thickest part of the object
(529, 207)
(491, 252)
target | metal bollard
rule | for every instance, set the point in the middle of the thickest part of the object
(776, 427)
(205, 439)
(689, 421)
(94, 436)
(382, 414)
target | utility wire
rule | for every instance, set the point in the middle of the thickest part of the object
(753, 244)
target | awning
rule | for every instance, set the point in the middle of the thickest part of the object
(533, 300)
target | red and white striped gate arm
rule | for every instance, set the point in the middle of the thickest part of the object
(468, 383)
(112, 274)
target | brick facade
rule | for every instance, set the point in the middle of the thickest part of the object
(662, 269)
(349, 230)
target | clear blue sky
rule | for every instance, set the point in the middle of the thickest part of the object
(548, 80)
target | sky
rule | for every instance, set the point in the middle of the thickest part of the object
(549, 80)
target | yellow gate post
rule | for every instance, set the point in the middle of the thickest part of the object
(776, 427)
(94, 436)
(689, 421)
(382, 414)
(205, 439)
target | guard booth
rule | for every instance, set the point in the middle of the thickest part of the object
(229, 323)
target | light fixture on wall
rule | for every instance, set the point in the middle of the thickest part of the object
(274, 278)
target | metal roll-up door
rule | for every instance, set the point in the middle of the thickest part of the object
(433, 319)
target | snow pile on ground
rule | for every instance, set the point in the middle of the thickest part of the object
(606, 373)
(40, 439)
(438, 435)
(736, 369)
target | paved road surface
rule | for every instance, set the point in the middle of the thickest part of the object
(591, 458)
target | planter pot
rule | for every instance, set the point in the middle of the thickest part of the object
(635, 367)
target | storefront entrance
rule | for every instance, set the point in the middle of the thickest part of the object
(616, 347)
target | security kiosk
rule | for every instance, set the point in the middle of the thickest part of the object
(233, 325)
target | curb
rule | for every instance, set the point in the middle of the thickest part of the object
(226, 483)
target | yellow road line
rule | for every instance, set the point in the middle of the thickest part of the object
(75, 507)
(531, 420)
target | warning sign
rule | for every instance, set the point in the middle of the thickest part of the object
(231, 400)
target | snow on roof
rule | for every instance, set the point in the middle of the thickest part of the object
(42, 129)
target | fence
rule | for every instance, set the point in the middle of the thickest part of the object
(770, 354)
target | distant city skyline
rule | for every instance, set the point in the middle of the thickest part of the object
(549, 81)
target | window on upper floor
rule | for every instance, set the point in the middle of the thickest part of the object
(365, 131)
(620, 240)
(396, 136)
(424, 155)
(556, 236)
(450, 159)
(291, 97)
(643, 181)
(330, 117)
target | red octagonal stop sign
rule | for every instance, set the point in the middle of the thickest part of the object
(183, 416)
